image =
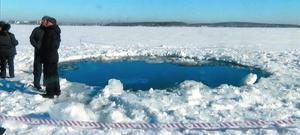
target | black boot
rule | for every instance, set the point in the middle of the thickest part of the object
(51, 96)
(57, 92)
(37, 87)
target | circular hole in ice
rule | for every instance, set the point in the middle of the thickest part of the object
(139, 74)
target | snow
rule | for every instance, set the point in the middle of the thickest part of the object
(191, 92)
(273, 49)
(250, 79)
(71, 111)
(114, 88)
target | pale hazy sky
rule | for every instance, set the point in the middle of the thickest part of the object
(266, 11)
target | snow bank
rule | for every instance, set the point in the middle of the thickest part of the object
(13, 125)
(71, 111)
(191, 91)
(114, 88)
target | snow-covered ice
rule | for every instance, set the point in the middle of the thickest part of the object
(250, 79)
(273, 49)
(114, 88)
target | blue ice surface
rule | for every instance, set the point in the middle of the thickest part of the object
(44, 115)
(140, 75)
(12, 86)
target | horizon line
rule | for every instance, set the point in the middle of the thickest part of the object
(130, 22)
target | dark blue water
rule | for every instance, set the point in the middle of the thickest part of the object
(139, 75)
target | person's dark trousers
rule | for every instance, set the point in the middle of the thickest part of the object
(2, 130)
(51, 78)
(11, 66)
(3, 61)
(37, 71)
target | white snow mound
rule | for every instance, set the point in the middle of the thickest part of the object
(116, 116)
(250, 79)
(191, 91)
(114, 87)
(71, 111)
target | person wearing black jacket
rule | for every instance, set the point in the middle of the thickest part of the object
(36, 41)
(8, 43)
(11, 57)
(49, 58)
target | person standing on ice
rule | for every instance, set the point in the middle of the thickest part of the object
(36, 41)
(11, 57)
(2, 56)
(49, 58)
(8, 43)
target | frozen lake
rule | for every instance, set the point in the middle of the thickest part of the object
(275, 50)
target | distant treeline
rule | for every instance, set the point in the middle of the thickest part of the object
(170, 24)
(221, 24)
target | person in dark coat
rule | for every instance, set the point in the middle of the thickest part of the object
(36, 41)
(7, 49)
(49, 57)
(11, 57)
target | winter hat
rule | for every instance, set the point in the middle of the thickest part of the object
(45, 17)
(52, 20)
